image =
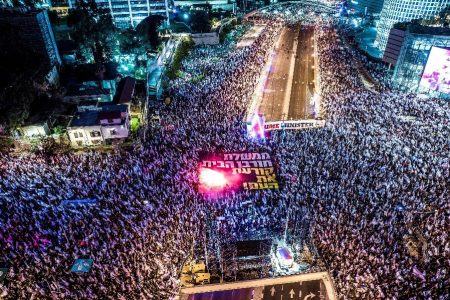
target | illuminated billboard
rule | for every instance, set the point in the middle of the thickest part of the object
(436, 75)
(221, 172)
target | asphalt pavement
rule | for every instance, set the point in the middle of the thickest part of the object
(308, 290)
(303, 83)
(292, 64)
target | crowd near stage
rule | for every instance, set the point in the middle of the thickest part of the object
(219, 203)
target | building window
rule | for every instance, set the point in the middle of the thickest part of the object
(113, 132)
(95, 133)
(75, 134)
(81, 134)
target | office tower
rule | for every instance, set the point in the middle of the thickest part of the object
(395, 11)
(129, 13)
(366, 6)
(36, 31)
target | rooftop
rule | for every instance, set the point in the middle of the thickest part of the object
(107, 115)
(86, 91)
(88, 72)
(429, 30)
(92, 117)
(125, 90)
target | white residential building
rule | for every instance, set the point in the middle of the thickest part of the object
(100, 125)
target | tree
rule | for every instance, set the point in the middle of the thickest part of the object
(93, 29)
(148, 29)
(173, 71)
(131, 42)
(15, 103)
(18, 68)
(200, 21)
(44, 145)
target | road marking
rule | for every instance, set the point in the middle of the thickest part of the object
(287, 95)
(292, 293)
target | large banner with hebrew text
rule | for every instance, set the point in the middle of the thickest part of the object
(237, 171)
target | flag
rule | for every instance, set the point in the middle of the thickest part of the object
(418, 274)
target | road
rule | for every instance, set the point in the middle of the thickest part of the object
(290, 81)
(310, 286)
(308, 290)
(303, 83)
(240, 294)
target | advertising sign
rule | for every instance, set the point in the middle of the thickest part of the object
(436, 75)
(301, 124)
(236, 171)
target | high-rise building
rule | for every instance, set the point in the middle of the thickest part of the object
(366, 6)
(129, 13)
(395, 11)
(36, 31)
(408, 50)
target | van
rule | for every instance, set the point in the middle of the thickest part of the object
(198, 268)
(202, 278)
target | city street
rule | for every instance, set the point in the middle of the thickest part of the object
(341, 194)
(303, 81)
(290, 82)
(302, 287)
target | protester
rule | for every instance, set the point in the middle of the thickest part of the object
(374, 178)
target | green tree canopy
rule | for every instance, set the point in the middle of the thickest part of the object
(19, 67)
(148, 29)
(15, 102)
(131, 42)
(93, 30)
(200, 21)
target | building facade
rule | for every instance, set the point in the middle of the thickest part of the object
(413, 54)
(99, 125)
(36, 31)
(395, 11)
(129, 13)
(366, 6)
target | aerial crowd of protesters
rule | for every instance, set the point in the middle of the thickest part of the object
(373, 184)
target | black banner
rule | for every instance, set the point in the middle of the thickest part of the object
(237, 171)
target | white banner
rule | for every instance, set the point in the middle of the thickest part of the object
(302, 124)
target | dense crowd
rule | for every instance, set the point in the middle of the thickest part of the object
(374, 179)
(382, 181)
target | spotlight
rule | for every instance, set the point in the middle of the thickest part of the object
(212, 179)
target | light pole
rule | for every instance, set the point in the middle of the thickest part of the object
(287, 219)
